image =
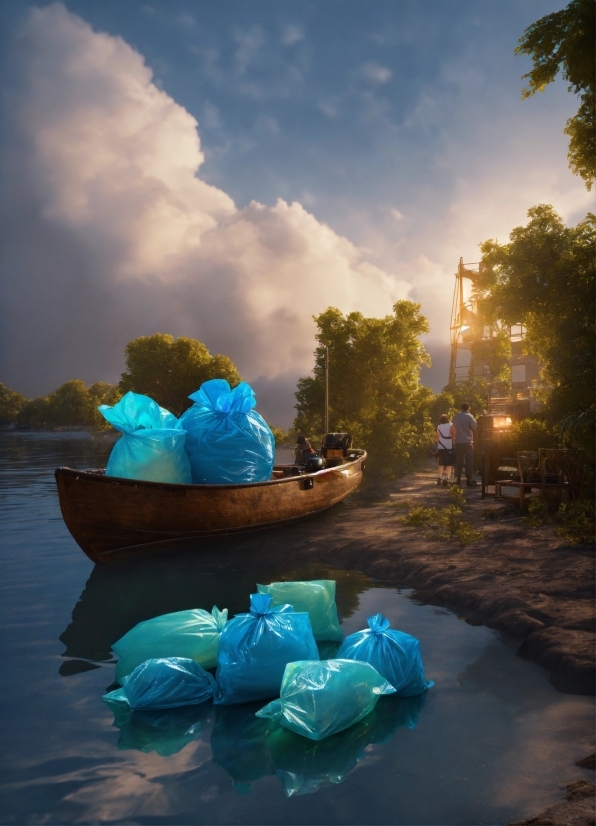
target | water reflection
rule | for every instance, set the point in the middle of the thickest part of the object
(163, 731)
(116, 597)
(249, 748)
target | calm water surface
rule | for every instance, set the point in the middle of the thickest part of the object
(491, 742)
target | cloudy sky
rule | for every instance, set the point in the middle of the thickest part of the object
(226, 170)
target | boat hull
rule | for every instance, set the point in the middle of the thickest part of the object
(110, 518)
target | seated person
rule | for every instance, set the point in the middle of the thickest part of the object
(303, 450)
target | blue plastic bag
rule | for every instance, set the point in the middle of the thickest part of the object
(164, 683)
(227, 442)
(394, 654)
(255, 648)
(318, 699)
(152, 443)
(316, 597)
(193, 633)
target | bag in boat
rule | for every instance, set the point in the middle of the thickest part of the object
(394, 654)
(164, 683)
(317, 598)
(318, 699)
(194, 634)
(227, 442)
(255, 648)
(152, 443)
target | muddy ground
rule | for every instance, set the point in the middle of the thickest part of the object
(528, 583)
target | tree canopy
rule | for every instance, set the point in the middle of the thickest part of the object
(168, 369)
(564, 41)
(544, 279)
(374, 387)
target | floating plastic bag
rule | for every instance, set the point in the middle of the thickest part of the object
(163, 731)
(316, 597)
(322, 698)
(394, 654)
(228, 443)
(152, 443)
(194, 634)
(255, 648)
(165, 683)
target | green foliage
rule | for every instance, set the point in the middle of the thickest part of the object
(457, 497)
(168, 369)
(374, 387)
(11, 403)
(281, 436)
(495, 352)
(564, 41)
(73, 404)
(576, 521)
(530, 434)
(450, 399)
(447, 521)
(544, 279)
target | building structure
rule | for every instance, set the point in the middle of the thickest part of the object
(469, 328)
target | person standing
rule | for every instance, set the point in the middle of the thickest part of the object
(445, 437)
(465, 425)
(302, 451)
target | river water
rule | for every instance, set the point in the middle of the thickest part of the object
(491, 742)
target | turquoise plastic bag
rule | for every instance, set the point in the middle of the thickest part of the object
(322, 698)
(316, 597)
(163, 731)
(394, 654)
(152, 443)
(255, 648)
(194, 634)
(227, 442)
(164, 683)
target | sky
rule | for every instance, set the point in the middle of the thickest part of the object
(228, 170)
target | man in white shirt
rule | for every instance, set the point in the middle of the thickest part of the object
(465, 425)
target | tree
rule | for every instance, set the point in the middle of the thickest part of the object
(71, 405)
(564, 40)
(169, 369)
(544, 279)
(11, 402)
(374, 387)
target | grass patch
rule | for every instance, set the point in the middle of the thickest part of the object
(447, 522)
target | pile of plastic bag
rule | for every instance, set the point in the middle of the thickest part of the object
(220, 440)
(268, 653)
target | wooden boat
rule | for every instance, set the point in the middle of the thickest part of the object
(110, 517)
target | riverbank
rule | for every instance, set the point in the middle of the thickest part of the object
(526, 582)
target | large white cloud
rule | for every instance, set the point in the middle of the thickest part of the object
(112, 234)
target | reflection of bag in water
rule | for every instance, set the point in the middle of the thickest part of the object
(152, 443)
(393, 653)
(318, 699)
(240, 744)
(194, 634)
(302, 766)
(316, 597)
(165, 731)
(228, 443)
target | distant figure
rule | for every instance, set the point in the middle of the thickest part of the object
(465, 425)
(445, 437)
(303, 450)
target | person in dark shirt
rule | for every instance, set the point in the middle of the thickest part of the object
(465, 426)
(303, 450)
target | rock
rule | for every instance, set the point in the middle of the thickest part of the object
(567, 654)
(587, 762)
(576, 810)
(516, 622)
